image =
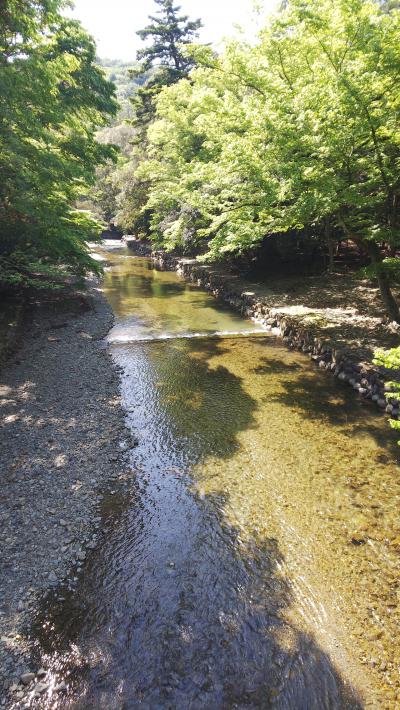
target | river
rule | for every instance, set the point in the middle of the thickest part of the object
(254, 563)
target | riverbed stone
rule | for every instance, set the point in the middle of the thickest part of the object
(61, 687)
(27, 678)
(40, 688)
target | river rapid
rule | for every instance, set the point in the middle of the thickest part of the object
(254, 561)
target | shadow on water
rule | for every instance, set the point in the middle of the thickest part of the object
(193, 624)
(204, 406)
(124, 285)
(175, 609)
(316, 396)
(275, 365)
(181, 606)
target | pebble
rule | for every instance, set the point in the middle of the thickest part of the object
(61, 467)
(40, 688)
(61, 687)
(27, 678)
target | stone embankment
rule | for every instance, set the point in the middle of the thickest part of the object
(138, 246)
(299, 330)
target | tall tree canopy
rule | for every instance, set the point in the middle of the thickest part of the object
(169, 32)
(52, 99)
(166, 61)
(164, 57)
(297, 131)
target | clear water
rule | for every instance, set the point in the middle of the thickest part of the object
(255, 562)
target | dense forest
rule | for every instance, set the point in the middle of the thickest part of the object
(120, 74)
(53, 99)
(295, 134)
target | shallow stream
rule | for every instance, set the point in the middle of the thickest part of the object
(254, 563)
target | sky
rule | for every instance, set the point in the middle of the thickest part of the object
(113, 23)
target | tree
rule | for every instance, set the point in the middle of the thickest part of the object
(390, 359)
(164, 57)
(165, 61)
(48, 153)
(299, 131)
(169, 32)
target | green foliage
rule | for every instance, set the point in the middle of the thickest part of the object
(169, 32)
(53, 97)
(389, 266)
(101, 198)
(163, 62)
(297, 131)
(127, 77)
(164, 57)
(390, 359)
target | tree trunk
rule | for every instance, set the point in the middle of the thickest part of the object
(392, 308)
(331, 245)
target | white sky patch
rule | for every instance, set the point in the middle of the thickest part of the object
(113, 23)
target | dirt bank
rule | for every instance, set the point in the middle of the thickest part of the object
(61, 441)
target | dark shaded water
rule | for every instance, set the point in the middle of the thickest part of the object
(228, 577)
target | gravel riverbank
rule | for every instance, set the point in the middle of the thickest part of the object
(62, 441)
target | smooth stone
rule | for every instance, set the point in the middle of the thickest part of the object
(40, 688)
(27, 678)
(61, 687)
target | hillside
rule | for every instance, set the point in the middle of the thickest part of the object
(117, 71)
